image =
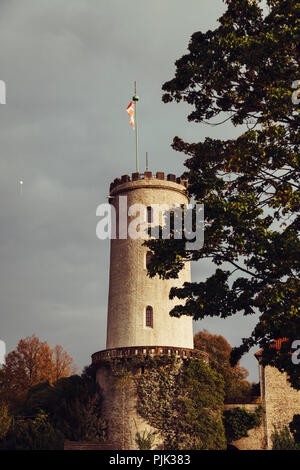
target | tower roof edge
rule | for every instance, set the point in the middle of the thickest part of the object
(143, 179)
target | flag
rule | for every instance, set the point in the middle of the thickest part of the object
(130, 111)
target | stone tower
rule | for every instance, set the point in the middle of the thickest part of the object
(138, 321)
(131, 291)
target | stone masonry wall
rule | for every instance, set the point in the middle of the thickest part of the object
(119, 409)
(279, 400)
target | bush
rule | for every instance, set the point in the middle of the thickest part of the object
(145, 440)
(283, 440)
(238, 422)
(34, 434)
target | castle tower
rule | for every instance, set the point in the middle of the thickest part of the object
(138, 322)
(138, 306)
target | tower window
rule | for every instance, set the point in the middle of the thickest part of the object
(149, 316)
(148, 258)
(149, 214)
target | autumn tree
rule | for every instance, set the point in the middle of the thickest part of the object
(244, 73)
(237, 388)
(32, 362)
(5, 420)
(62, 364)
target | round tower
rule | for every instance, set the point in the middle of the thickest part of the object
(138, 306)
(138, 321)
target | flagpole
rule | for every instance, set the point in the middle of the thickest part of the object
(135, 99)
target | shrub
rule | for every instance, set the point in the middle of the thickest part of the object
(34, 434)
(283, 440)
(238, 422)
(145, 440)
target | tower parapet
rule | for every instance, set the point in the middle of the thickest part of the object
(160, 175)
(138, 351)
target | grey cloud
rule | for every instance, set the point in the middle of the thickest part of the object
(69, 66)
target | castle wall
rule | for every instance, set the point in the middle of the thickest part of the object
(279, 400)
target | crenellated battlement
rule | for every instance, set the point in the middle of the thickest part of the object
(144, 351)
(147, 175)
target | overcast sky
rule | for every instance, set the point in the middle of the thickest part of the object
(69, 68)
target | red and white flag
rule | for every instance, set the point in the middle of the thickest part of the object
(130, 111)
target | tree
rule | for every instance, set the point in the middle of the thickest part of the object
(73, 405)
(5, 420)
(34, 434)
(78, 409)
(237, 388)
(243, 72)
(201, 404)
(31, 363)
(63, 364)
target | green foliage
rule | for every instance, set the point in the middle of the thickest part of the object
(77, 412)
(283, 440)
(145, 440)
(124, 368)
(184, 403)
(242, 72)
(237, 388)
(238, 422)
(73, 405)
(34, 434)
(38, 397)
(5, 420)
